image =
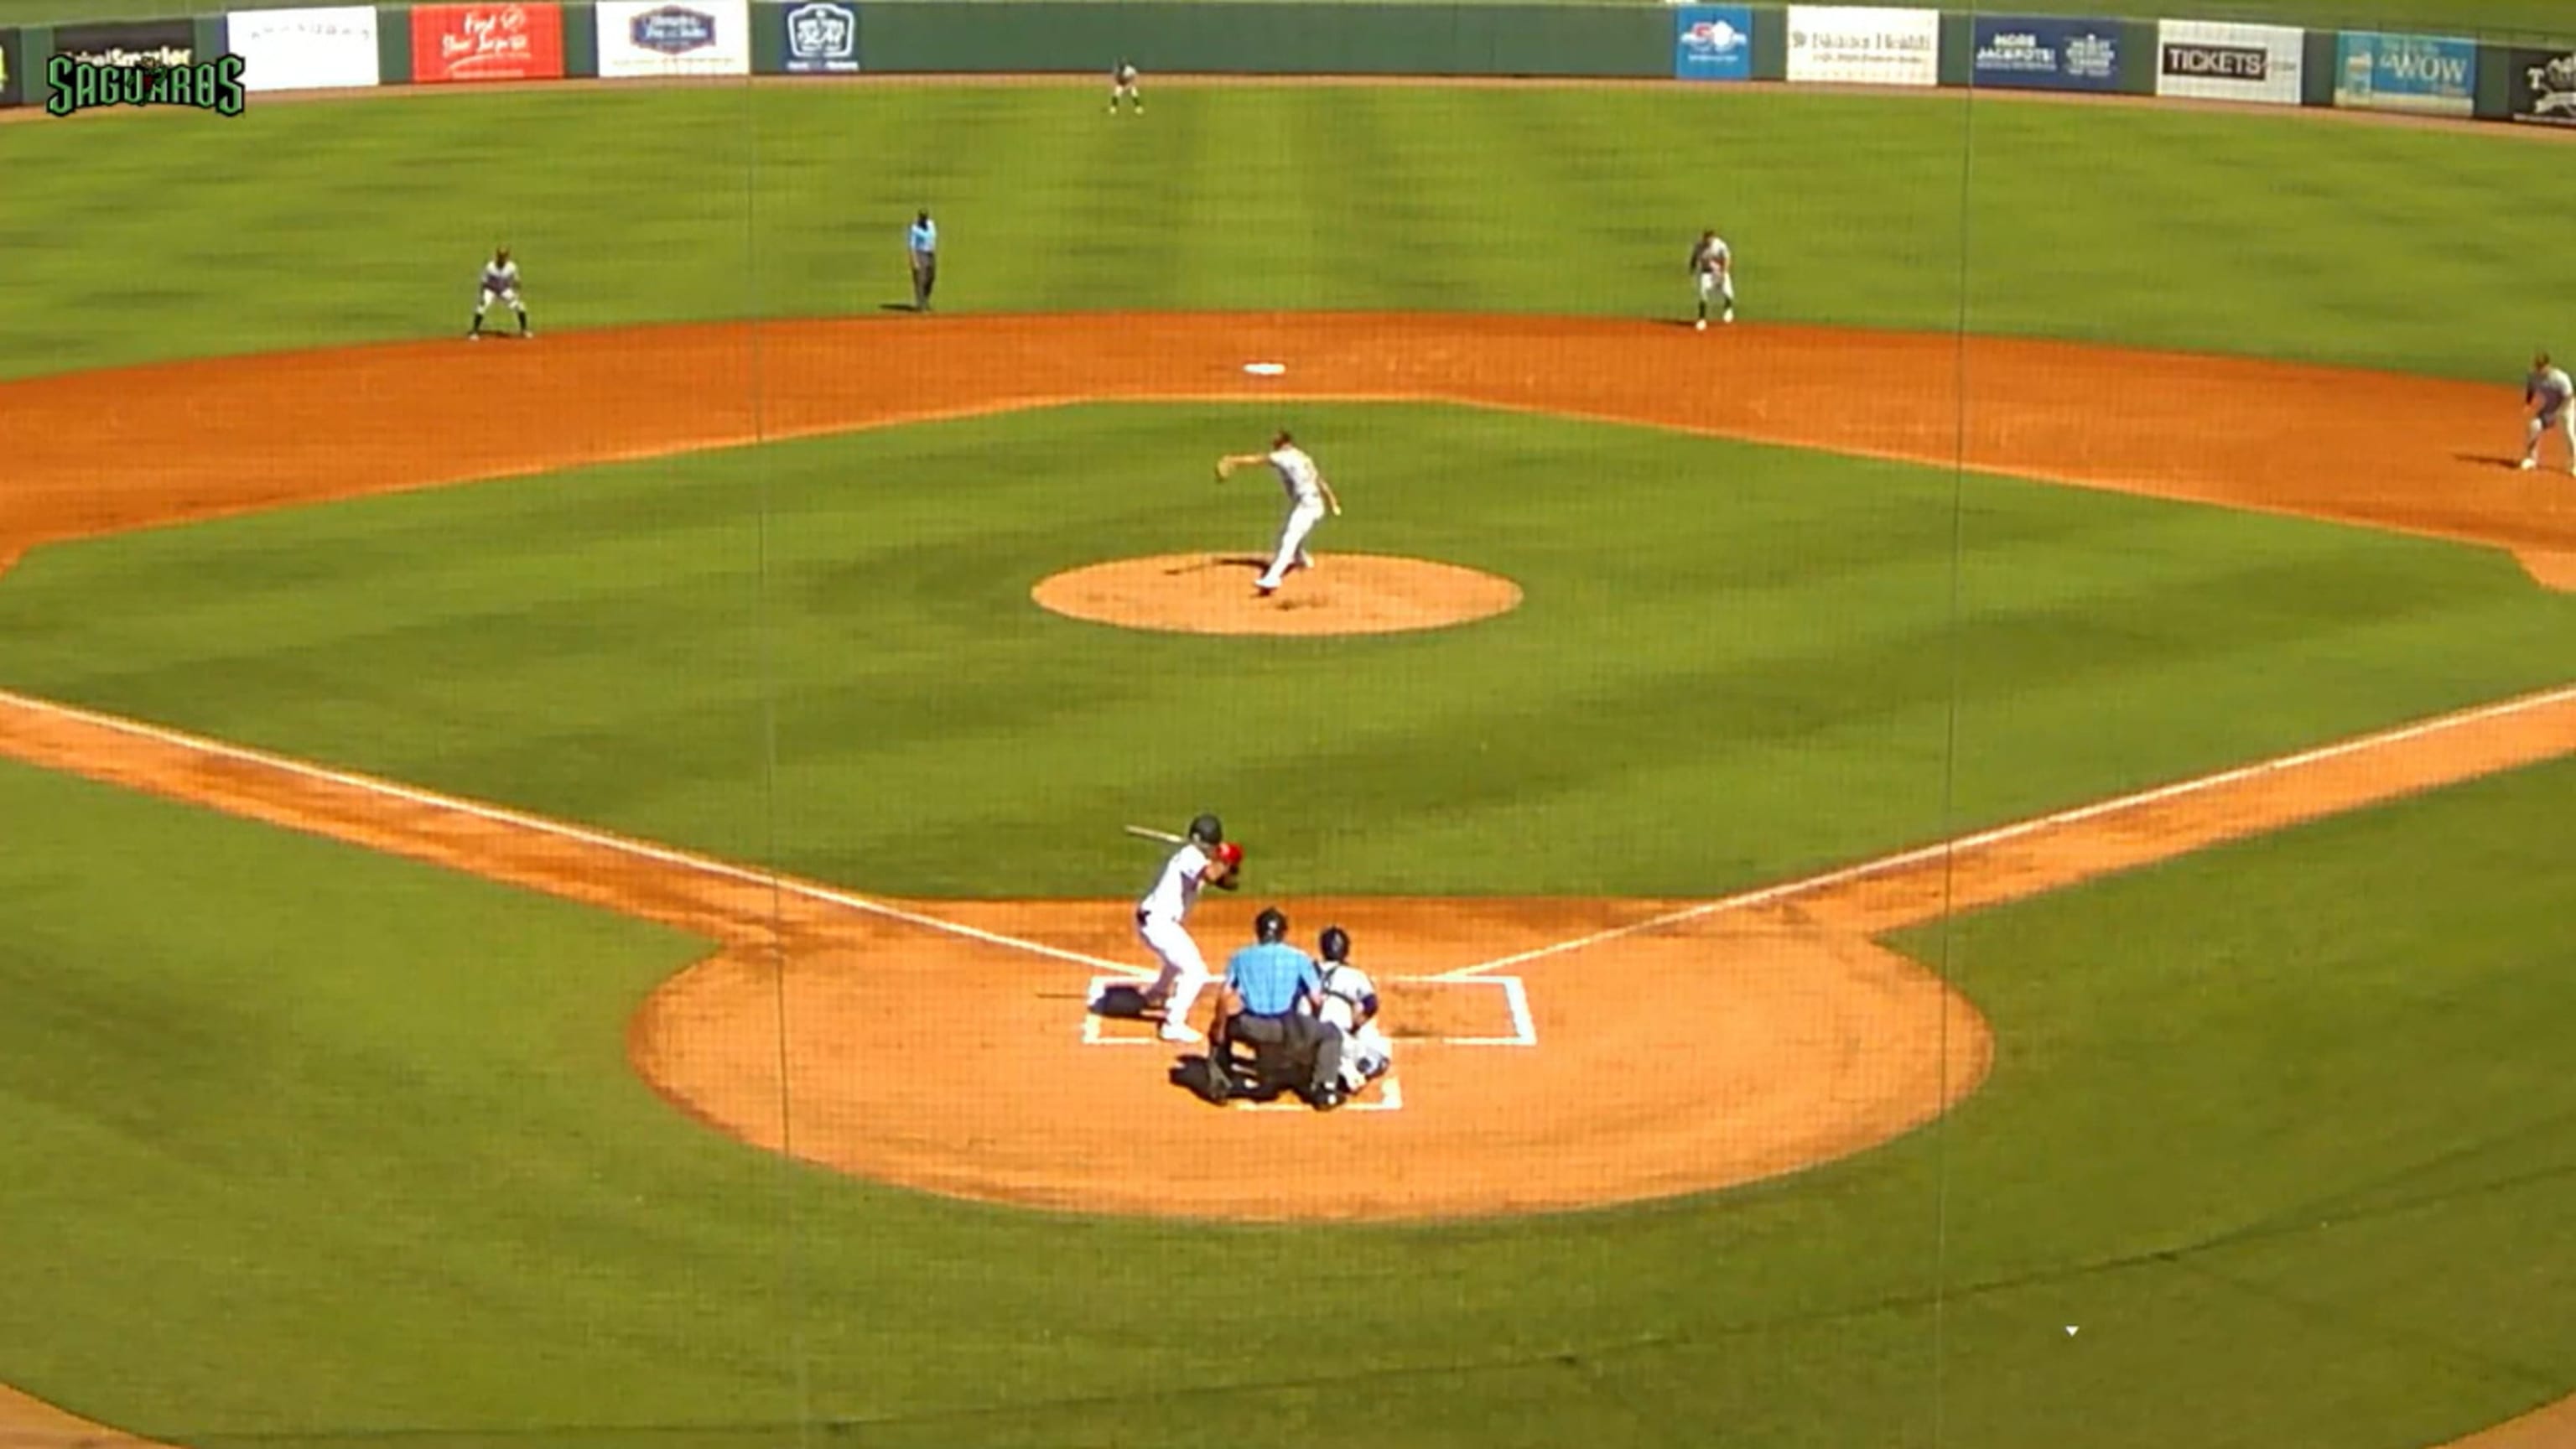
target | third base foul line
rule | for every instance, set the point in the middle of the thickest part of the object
(2038, 825)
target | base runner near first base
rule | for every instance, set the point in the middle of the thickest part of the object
(2551, 396)
(1712, 265)
(1205, 858)
(500, 284)
(1308, 498)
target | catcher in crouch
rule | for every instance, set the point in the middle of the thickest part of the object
(1271, 998)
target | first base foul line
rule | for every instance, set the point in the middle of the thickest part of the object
(2018, 830)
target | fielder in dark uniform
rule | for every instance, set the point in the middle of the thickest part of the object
(921, 245)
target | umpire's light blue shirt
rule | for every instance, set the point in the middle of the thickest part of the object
(925, 236)
(1270, 978)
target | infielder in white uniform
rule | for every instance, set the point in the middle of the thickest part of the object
(1712, 265)
(1350, 1006)
(2552, 400)
(500, 284)
(1206, 858)
(1308, 498)
(1122, 87)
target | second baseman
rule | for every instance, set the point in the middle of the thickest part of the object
(2552, 399)
(1712, 265)
(1309, 496)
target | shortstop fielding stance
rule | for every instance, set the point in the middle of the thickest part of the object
(2552, 399)
(1122, 87)
(1205, 858)
(500, 284)
(1308, 498)
(1712, 264)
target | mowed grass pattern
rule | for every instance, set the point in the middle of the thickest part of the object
(1734, 663)
(303, 225)
(369, 1178)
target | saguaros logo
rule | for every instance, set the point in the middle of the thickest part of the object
(672, 30)
(207, 85)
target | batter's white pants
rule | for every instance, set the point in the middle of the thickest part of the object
(1301, 521)
(2564, 424)
(1184, 972)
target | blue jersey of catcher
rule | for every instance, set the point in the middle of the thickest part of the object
(1271, 978)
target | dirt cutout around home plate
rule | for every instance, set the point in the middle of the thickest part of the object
(1213, 593)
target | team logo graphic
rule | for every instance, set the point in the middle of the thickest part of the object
(823, 36)
(2553, 87)
(166, 76)
(672, 30)
(1714, 38)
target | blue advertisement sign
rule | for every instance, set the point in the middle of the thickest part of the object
(2041, 53)
(1713, 42)
(2436, 74)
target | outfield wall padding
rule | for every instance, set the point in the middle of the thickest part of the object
(580, 41)
(393, 45)
(1265, 38)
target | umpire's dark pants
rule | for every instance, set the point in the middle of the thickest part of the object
(1306, 1040)
(925, 275)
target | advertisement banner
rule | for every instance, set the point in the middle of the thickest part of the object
(2036, 53)
(676, 37)
(13, 66)
(1713, 42)
(2544, 86)
(168, 44)
(1867, 45)
(463, 43)
(290, 50)
(2427, 73)
(822, 38)
(2215, 61)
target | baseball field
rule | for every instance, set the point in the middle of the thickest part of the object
(1976, 858)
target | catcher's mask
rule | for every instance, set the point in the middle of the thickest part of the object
(1271, 926)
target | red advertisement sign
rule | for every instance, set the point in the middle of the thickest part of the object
(486, 42)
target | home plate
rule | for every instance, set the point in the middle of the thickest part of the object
(1265, 369)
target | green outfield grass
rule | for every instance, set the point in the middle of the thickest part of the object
(335, 222)
(1735, 663)
(292, 1170)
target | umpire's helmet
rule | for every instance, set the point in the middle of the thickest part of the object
(1336, 944)
(1271, 926)
(1208, 830)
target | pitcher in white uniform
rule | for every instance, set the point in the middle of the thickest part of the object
(1350, 1006)
(1309, 496)
(2552, 398)
(1206, 858)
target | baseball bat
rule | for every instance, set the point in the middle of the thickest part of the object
(1165, 836)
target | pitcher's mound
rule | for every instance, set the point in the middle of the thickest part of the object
(1211, 593)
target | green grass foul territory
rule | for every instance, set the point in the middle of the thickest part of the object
(335, 222)
(1734, 662)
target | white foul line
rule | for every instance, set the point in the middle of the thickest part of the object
(368, 784)
(1766, 895)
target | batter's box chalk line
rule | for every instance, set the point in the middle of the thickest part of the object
(1515, 995)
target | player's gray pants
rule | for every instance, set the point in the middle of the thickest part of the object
(1308, 1042)
(925, 275)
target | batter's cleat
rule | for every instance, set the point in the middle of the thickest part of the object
(1180, 1031)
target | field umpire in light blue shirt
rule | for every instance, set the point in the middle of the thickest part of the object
(1272, 993)
(921, 244)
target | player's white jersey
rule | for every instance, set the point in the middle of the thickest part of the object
(500, 276)
(1177, 888)
(1298, 473)
(1346, 989)
(1712, 256)
(2551, 388)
